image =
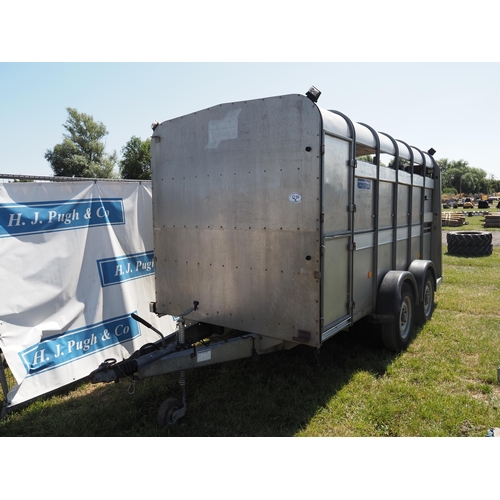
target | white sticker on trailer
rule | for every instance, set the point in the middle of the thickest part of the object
(295, 197)
(223, 130)
(203, 355)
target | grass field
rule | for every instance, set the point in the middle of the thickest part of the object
(472, 223)
(445, 384)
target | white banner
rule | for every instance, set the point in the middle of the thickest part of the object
(76, 262)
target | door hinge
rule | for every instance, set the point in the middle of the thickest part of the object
(352, 208)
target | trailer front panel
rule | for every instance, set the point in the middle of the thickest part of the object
(236, 210)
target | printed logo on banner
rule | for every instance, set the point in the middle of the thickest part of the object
(116, 270)
(75, 344)
(48, 216)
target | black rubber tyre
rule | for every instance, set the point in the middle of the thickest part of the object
(425, 308)
(470, 243)
(397, 334)
(165, 413)
(471, 250)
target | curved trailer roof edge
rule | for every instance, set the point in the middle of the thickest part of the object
(335, 123)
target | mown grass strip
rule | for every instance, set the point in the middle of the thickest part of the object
(445, 384)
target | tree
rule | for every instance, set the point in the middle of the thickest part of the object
(464, 178)
(136, 161)
(82, 152)
(369, 159)
(402, 163)
(494, 185)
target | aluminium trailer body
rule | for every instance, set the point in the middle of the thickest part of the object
(267, 222)
(263, 215)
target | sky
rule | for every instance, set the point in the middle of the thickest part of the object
(429, 76)
(451, 107)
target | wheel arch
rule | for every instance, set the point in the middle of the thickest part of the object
(418, 268)
(389, 295)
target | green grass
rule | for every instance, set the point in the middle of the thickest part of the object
(445, 384)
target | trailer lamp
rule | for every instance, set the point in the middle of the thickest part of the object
(313, 93)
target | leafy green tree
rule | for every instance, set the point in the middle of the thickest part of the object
(494, 185)
(367, 158)
(402, 163)
(82, 152)
(465, 179)
(136, 160)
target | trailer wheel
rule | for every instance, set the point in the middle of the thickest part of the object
(397, 334)
(425, 308)
(166, 412)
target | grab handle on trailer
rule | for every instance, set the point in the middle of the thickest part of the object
(189, 311)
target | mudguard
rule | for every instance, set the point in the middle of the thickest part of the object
(389, 295)
(419, 268)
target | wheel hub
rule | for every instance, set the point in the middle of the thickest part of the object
(404, 319)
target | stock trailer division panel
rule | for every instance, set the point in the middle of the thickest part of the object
(278, 223)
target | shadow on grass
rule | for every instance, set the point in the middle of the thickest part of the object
(277, 395)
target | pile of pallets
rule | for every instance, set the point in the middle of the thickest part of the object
(452, 219)
(492, 220)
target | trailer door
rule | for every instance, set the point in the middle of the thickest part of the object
(337, 239)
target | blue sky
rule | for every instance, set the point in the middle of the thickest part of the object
(452, 107)
(400, 71)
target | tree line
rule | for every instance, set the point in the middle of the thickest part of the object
(82, 154)
(458, 177)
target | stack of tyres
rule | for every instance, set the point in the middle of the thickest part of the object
(470, 243)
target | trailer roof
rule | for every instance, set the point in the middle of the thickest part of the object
(369, 141)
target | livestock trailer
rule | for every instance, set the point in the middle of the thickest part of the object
(283, 223)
